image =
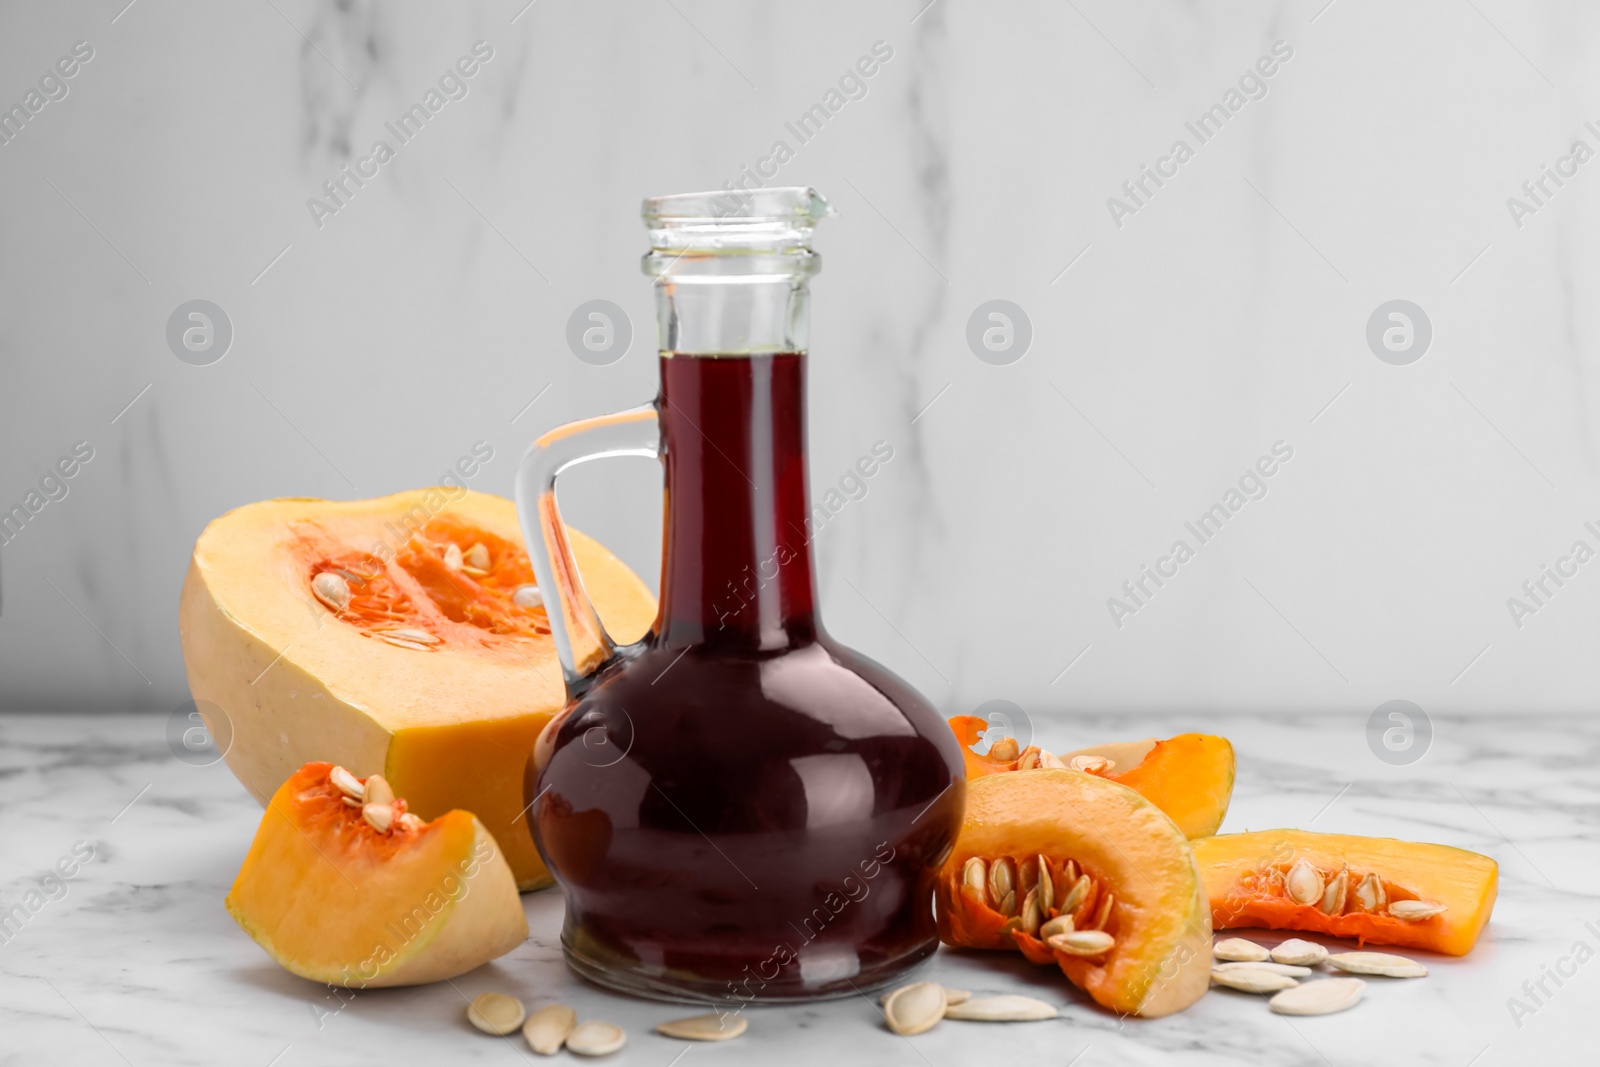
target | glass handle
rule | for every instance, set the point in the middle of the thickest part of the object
(582, 643)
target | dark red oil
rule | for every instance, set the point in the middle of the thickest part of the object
(743, 809)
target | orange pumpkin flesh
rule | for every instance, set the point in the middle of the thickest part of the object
(333, 900)
(1244, 877)
(1161, 961)
(1190, 777)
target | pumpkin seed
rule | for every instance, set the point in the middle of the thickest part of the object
(1075, 895)
(1090, 764)
(1319, 998)
(914, 1008)
(381, 818)
(1275, 968)
(1333, 897)
(452, 556)
(1004, 749)
(1061, 924)
(1087, 943)
(1008, 1008)
(1102, 913)
(1239, 950)
(411, 821)
(347, 783)
(378, 790)
(1299, 952)
(1415, 910)
(332, 590)
(951, 996)
(495, 1013)
(1029, 759)
(351, 802)
(711, 1027)
(1002, 879)
(1008, 906)
(528, 596)
(1381, 963)
(1046, 886)
(595, 1038)
(546, 1029)
(1032, 918)
(975, 875)
(476, 556)
(1052, 762)
(1304, 883)
(1253, 980)
(1370, 894)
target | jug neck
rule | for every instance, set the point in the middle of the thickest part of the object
(736, 558)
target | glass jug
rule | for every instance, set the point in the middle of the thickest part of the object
(737, 807)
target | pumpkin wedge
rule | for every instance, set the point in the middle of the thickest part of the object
(1190, 777)
(1373, 889)
(344, 894)
(403, 636)
(1120, 908)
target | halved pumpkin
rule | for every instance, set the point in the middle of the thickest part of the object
(1116, 864)
(1190, 777)
(389, 636)
(334, 899)
(1373, 889)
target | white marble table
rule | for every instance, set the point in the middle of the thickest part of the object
(138, 963)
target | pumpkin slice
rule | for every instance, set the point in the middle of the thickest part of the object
(333, 898)
(1190, 777)
(1118, 869)
(403, 636)
(1373, 889)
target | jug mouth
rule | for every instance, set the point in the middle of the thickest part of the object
(793, 206)
(722, 223)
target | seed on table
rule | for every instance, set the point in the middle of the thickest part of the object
(546, 1029)
(595, 1038)
(951, 996)
(1253, 980)
(495, 1013)
(1272, 968)
(1379, 963)
(1238, 949)
(1299, 952)
(1319, 998)
(712, 1027)
(1001, 1009)
(914, 1008)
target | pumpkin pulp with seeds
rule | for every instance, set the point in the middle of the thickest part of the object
(1373, 889)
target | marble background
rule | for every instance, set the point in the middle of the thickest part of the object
(1168, 353)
